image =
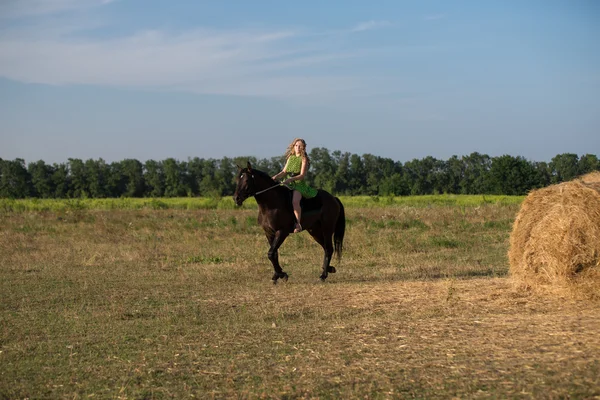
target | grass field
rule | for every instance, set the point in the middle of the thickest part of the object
(226, 203)
(177, 302)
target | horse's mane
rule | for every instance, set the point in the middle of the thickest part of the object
(262, 174)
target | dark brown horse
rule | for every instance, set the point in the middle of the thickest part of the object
(322, 216)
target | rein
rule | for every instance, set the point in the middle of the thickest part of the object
(269, 188)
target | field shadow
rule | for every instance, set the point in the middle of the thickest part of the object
(422, 275)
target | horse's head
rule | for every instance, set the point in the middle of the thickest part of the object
(245, 185)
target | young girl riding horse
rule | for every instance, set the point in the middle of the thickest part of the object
(295, 170)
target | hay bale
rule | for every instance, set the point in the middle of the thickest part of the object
(555, 241)
(592, 177)
(591, 180)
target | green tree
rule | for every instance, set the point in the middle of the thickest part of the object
(195, 174)
(565, 167)
(543, 174)
(356, 177)
(41, 179)
(322, 169)
(79, 180)
(374, 173)
(133, 174)
(476, 170)
(454, 170)
(15, 181)
(154, 177)
(410, 174)
(115, 181)
(61, 181)
(512, 175)
(342, 172)
(399, 184)
(174, 178)
(439, 176)
(273, 165)
(422, 175)
(96, 175)
(588, 163)
(391, 182)
(209, 186)
(225, 176)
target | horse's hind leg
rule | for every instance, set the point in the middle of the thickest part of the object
(328, 253)
(325, 240)
(275, 241)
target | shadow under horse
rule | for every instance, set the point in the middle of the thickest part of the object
(322, 217)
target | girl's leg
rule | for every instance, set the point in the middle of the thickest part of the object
(297, 196)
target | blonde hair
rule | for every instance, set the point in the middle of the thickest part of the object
(291, 151)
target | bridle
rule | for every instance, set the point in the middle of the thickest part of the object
(267, 189)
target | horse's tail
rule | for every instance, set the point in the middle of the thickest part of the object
(340, 229)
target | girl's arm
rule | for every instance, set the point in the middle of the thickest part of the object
(282, 172)
(301, 175)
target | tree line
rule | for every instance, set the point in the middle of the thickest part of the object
(340, 173)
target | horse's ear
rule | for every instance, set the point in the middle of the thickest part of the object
(249, 166)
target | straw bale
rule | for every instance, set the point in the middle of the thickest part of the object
(592, 177)
(555, 241)
(592, 180)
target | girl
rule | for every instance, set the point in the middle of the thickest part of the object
(295, 170)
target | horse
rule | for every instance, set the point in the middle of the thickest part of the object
(323, 217)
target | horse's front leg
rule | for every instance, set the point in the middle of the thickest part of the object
(275, 241)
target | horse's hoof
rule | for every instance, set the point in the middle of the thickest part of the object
(331, 269)
(323, 277)
(282, 275)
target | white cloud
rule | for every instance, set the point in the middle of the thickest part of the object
(273, 63)
(242, 63)
(370, 25)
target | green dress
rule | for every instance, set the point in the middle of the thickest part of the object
(294, 166)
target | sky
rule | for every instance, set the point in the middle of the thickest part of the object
(158, 79)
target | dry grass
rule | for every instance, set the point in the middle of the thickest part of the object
(555, 242)
(179, 304)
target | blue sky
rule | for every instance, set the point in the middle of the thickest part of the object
(150, 79)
